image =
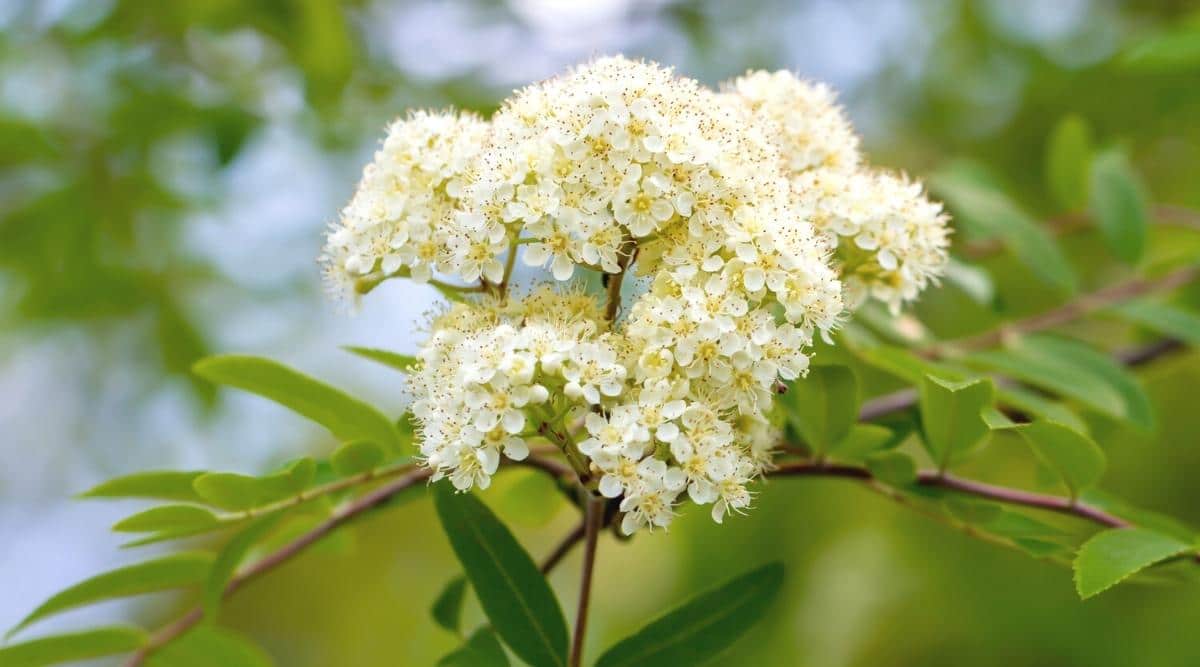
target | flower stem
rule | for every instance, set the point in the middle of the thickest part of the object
(592, 524)
(614, 285)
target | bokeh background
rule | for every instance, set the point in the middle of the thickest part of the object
(166, 173)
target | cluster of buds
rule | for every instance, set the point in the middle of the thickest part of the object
(744, 221)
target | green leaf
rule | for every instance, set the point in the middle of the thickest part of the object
(995, 419)
(1041, 548)
(1035, 404)
(912, 368)
(174, 571)
(514, 594)
(1068, 154)
(210, 646)
(1118, 205)
(481, 650)
(699, 630)
(169, 534)
(863, 440)
(1075, 457)
(72, 646)
(1113, 555)
(823, 405)
(989, 213)
(1020, 526)
(400, 362)
(974, 281)
(904, 364)
(229, 558)
(951, 417)
(997, 520)
(1073, 370)
(357, 457)
(169, 517)
(1173, 50)
(447, 608)
(1101, 368)
(1159, 523)
(1163, 318)
(232, 491)
(346, 417)
(893, 468)
(156, 485)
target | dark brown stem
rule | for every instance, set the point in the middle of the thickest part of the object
(593, 521)
(1009, 496)
(969, 487)
(1069, 312)
(509, 263)
(613, 306)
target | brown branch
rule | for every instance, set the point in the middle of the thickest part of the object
(1088, 303)
(1049, 503)
(905, 399)
(593, 521)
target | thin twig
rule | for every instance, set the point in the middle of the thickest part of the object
(1049, 503)
(592, 522)
(374, 475)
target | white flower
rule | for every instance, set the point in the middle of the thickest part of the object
(406, 198)
(591, 371)
(650, 500)
(557, 245)
(705, 465)
(620, 431)
(641, 203)
(815, 130)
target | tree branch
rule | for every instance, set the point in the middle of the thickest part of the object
(593, 521)
(905, 399)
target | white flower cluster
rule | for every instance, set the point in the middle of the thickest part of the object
(613, 168)
(406, 215)
(889, 239)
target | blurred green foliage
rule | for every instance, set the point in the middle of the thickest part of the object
(96, 197)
